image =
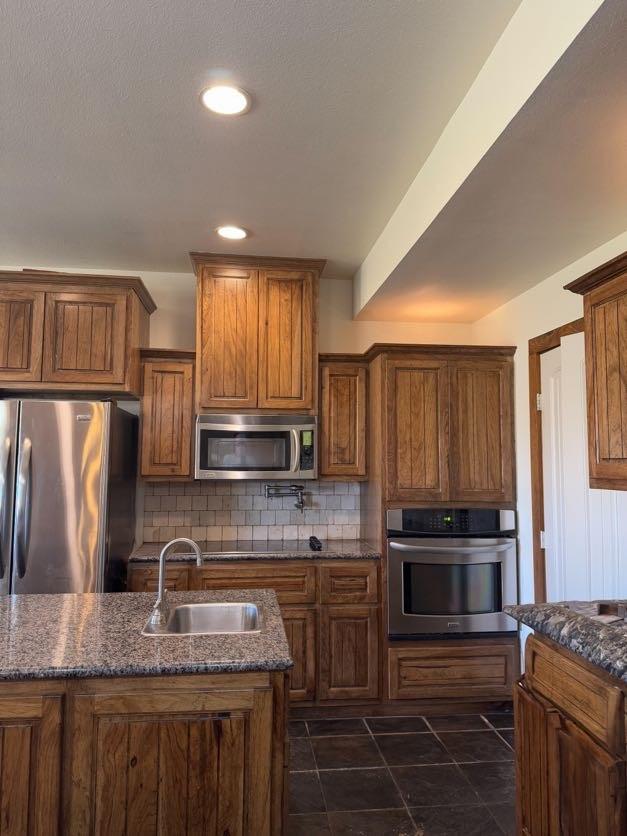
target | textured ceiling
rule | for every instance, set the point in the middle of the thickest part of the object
(107, 158)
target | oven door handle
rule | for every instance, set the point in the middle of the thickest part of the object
(503, 547)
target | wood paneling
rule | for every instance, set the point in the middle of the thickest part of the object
(532, 768)
(585, 696)
(158, 761)
(301, 629)
(453, 669)
(30, 765)
(349, 652)
(605, 316)
(343, 421)
(286, 339)
(293, 584)
(85, 337)
(349, 583)
(482, 431)
(146, 578)
(21, 328)
(227, 336)
(167, 409)
(417, 433)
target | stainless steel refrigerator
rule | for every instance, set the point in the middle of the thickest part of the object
(67, 495)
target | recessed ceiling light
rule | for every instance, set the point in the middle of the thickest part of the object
(235, 233)
(226, 99)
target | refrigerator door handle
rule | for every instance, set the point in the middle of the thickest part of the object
(21, 534)
(4, 498)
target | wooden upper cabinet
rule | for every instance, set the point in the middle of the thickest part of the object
(286, 323)
(343, 421)
(256, 332)
(227, 337)
(481, 431)
(21, 328)
(71, 332)
(605, 316)
(167, 409)
(85, 337)
(417, 428)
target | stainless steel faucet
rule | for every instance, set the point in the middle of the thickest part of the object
(161, 609)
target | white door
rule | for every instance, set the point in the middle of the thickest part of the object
(585, 530)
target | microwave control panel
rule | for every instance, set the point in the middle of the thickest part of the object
(307, 452)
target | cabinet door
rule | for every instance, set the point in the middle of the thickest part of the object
(167, 407)
(349, 652)
(605, 311)
(85, 338)
(532, 775)
(227, 334)
(417, 408)
(482, 432)
(146, 578)
(300, 629)
(21, 333)
(286, 335)
(586, 783)
(30, 765)
(175, 762)
(343, 421)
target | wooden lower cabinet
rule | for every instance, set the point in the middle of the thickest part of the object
(349, 652)
(146, 578)
(568, 781)
(30, 764)
(301, 631)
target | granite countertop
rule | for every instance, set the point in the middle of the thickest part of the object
(594, 630)
(263, 550)
(99, 635)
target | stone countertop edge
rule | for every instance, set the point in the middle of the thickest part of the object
(74, 636)
(601, 644)
(261, 550)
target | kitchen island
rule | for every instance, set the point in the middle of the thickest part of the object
(105, 730)
(570, 717)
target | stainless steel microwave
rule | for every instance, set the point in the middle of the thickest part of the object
(256, 447)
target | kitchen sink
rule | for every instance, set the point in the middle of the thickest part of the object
(208, 619)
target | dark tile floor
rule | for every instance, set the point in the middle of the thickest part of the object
(402, 776)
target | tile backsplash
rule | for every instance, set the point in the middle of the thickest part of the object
(234, 510)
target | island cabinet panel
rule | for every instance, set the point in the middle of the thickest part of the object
(228, 305)
(300, 629)
(349, 652)
(166, 410)
(21, 327)
(286, 324)
(532, 763)
(85, 337)
(30, 764)
(417, 452)
(171, 761)
(482, 432)
(343, 421)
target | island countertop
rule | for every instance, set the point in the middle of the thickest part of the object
(99, 635)
(593, 630)
(262, 550)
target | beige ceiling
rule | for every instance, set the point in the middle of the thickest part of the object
(552, 188)
(107, 158)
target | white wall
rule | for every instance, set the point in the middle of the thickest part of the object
(543, 307)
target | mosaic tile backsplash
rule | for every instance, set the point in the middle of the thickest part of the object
(208, 510)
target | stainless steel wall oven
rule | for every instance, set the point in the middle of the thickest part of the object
(451, 571)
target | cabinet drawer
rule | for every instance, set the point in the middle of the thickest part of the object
(587, 698)
(452, 670)
(292, 584)
(354, 584)
(146, 578)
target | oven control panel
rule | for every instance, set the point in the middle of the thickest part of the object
(451, 522)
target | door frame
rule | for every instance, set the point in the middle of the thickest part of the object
(537, 347)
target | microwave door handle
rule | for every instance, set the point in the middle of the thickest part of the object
(22, 509)
(295, 463)
(451, 549)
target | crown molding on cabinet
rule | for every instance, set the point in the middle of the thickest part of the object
(278, 263)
